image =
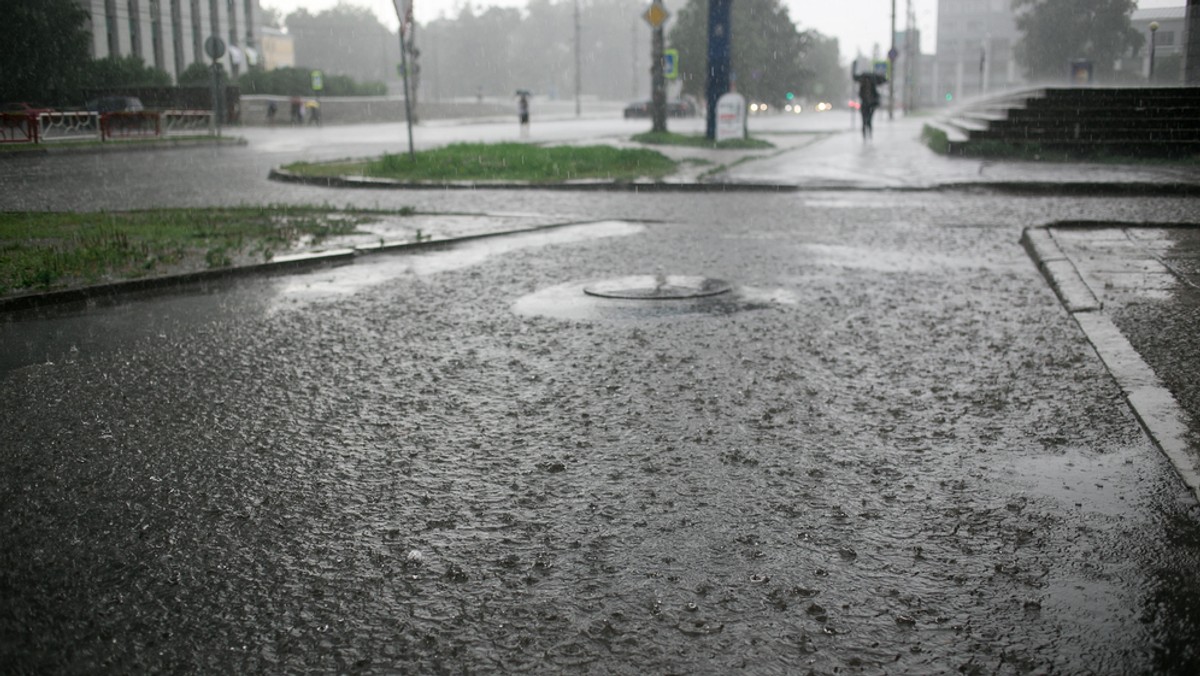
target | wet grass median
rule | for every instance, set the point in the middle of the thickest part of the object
(44, 251)
(501, 162)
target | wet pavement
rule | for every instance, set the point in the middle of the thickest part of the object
(886, 449)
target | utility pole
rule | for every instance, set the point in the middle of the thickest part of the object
(656, 16)
(405, 17)
(717, 82)
(1191, 67)
(892, 68)
(578, 77)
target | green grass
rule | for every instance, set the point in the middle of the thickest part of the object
(671, 139)
(502, 162)
(42, 251)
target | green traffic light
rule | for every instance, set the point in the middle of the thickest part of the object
(949, 96)
(790, 96)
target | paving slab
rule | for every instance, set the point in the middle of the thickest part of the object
(1140, 309)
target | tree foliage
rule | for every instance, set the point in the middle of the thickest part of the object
(771, 56)
(45, 48)
(345, 40)
(298, 82)
(200, 74)
(124, 71)
(495, 51)
(1055, 32)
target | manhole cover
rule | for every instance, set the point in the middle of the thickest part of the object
(658, 287)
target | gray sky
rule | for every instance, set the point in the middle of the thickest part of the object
(858, 24)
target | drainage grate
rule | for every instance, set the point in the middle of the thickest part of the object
(658, 287)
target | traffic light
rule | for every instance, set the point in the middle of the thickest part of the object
(790, 96)
(949, 96)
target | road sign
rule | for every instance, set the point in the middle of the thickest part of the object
(214, 47)
(892, 53)
(671, 63)
(318, 81)
(731, 117)
(656, 15)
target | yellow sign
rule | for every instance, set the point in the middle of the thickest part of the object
(656, 15)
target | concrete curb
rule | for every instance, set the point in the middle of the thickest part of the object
(1011, 188)
(43, 150)
(1160, 415)
(1059, 271)
(288, 263)
(284, 176)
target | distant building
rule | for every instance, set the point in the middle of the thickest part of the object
(278, 49)
(913, 78)
(170, 34)
(974, 49)
(1169, 43)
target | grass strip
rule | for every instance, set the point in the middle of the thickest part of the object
(502, 162)
(672, 139)
(49, 250)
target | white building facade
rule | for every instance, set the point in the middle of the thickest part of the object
(170, 34)
(1170, 41)
(974, 49)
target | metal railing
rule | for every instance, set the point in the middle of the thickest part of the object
(76, 126)
(85, 125)
(18, 128)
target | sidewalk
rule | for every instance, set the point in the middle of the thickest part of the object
(896, 158)
(1135, 293)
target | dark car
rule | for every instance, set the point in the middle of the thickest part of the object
(25, 108)
(115, 104)
(681, 108)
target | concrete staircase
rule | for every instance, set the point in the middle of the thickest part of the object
(1159, 122)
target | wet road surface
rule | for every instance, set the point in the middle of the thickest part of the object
(886, 450)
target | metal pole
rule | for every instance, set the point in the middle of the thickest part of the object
(658, 84)
(892, 68)
(1191, 64)
(412, 155)
(578, 77)
(1153, 31)
(717, 82)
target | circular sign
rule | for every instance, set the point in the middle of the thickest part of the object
(214, 47)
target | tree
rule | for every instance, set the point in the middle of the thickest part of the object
(1055, 32)
(199, 74)
(45, 50)
(124, 71)
(771, 57)
(345, 40)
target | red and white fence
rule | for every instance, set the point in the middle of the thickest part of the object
(83, 126)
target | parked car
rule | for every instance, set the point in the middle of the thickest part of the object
(26, 108)
(680, 108)
(115, 104)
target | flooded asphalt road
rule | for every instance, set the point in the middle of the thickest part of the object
(886, 450)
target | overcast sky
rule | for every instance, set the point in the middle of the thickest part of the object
(858, 24)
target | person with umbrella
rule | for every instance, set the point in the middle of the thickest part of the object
(523, 111)
(868, 98)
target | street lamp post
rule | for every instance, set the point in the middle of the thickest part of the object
(1153, 30)
(892, 67)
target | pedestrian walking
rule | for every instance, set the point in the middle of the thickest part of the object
(297, 113)
(523, 112)
(272, 109)
(868, 99)
(312, 109)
